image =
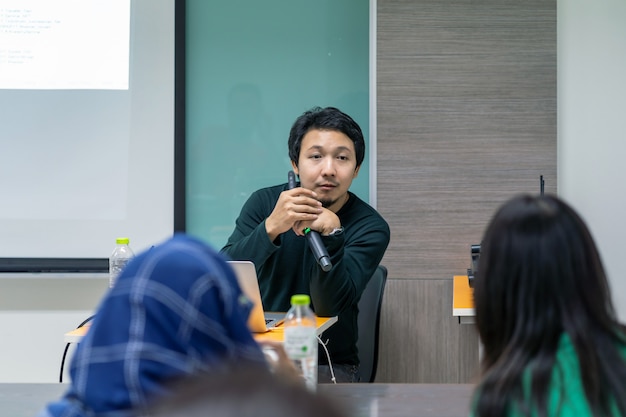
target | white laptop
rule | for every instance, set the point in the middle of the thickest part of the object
(259, 321)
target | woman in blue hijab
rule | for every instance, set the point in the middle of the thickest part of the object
(175, 310)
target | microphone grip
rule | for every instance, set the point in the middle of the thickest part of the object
(318, 249)
(312, 237)
(291, 180)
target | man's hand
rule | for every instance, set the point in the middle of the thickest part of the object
(293, 207)
(325, 223)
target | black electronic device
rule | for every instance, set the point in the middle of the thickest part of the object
(471, 271)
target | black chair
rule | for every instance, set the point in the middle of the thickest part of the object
(368, 323)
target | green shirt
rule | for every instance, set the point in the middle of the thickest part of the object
(287, 265)
(566, 392)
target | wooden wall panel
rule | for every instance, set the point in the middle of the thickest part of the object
(466, 114)
(422, 342)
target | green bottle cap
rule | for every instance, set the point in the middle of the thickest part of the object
(122, 240)
(300, 300)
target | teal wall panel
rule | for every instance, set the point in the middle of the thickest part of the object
(251, 69)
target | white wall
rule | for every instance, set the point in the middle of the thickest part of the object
(35, 313)
(591, 76)
(32, 345)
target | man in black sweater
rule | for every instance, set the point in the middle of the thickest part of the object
(326, 148)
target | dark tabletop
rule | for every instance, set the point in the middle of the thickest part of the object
(366, 400)
(402, 400)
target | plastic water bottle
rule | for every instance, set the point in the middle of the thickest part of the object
(301, 338)
(119, 258)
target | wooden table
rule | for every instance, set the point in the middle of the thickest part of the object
(381, 400)
(276, 334)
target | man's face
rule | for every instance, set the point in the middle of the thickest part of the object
(327, 165)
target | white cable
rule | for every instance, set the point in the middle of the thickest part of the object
(330, 365)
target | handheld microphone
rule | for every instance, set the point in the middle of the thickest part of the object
(314, 239)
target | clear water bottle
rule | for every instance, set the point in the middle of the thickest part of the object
(119, 258)
(301, 338)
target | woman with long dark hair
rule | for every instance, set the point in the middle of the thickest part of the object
(552, 343)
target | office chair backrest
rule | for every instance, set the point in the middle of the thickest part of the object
(368, 323)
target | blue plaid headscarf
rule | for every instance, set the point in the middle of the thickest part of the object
(175, 310)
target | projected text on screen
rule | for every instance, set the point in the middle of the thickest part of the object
(64, 44)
